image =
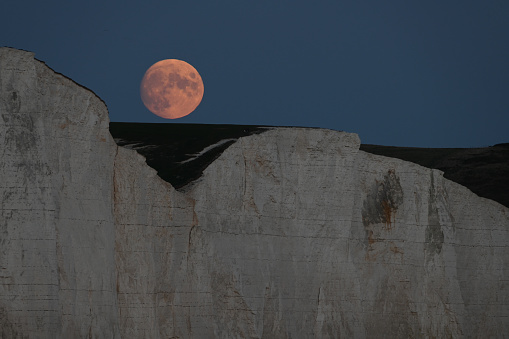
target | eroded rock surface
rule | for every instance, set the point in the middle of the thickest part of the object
(57, 230)
(293, 232)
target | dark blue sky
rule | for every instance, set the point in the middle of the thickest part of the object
(403, 73)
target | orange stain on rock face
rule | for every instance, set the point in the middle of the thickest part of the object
(171, 88)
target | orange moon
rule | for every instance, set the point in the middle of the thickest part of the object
(171, 88)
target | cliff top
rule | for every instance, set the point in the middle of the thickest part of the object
(180, 152)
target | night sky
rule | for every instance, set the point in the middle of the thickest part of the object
(402, 73)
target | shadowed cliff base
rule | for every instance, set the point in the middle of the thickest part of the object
(180, 152)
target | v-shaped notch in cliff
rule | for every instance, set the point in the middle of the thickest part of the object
(179, 152)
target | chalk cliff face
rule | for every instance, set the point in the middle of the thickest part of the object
(290, 233)
(57, 231)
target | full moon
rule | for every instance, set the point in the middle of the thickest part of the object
(171, 88)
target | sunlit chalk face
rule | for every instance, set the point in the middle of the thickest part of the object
(171, 88)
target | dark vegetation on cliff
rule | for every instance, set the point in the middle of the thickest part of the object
(180, 152)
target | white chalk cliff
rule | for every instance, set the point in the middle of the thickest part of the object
(291, 233)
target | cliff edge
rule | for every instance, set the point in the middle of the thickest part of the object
(291, 232)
